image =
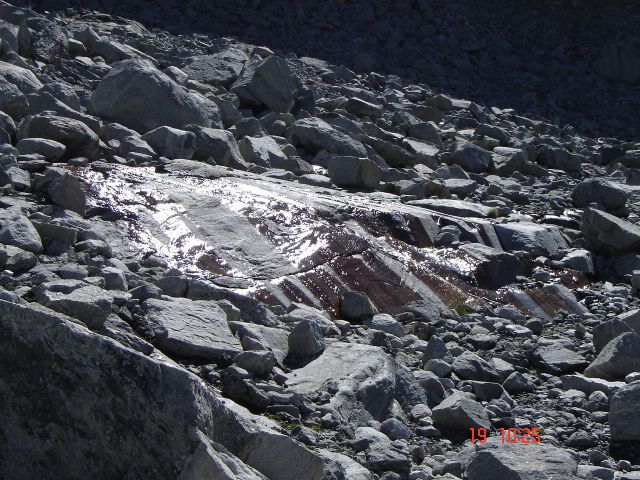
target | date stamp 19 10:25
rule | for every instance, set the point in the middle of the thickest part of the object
(508, 435)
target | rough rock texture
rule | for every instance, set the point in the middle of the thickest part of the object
(153, 418)
(191, 328)
(141, 97)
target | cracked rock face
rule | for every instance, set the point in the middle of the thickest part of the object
(223, 260)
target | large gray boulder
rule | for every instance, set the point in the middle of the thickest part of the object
(91, 305)
(611, 195)
(191, 328)
(608, 234)
(17, 230)
(471, 157)
(78, 139)
(361, 378)
(507, 160)
(557, 359)
(470, 366)
(263, 151)
(315, 134)
(624, 414)
(218, 145)
(459, 412)
(305, 340)
(42, 39)
(620, 357)
(139, 96)
(354, 172)
(495, 268)
(113, 412)
(532, 238)
(171, 142)
(506, 461)
(267, 82)
(220, 68)
(24, 80)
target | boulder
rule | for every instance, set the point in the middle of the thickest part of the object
(470, 366)
(560, 159)
(218, 145)
(189, 328)
(624, 414)
(386, 323)
(17, 230)
(607, 331)
(495, 268)
(315, 134)
(608, 234)
(619, 357)
(78, 139)
(506, 461)
(508, 160)
(147, 416)
(24, 80)
(171, 142)
(42, 39)
(51, 150)
(220, 68)
(16, 259)
(532, 238)
(306, 340)
(460, 413)
(611, 195)
(361, 108)
(139, 96)
(91, 305)
(266, 82)
(354, 172)
(471, 157)
(458, 208)
(263, 151)
(360, 378)
(557, 359)
(356, 306)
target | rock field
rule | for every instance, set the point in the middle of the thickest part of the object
(223, 261)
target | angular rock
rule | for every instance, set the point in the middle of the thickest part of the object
(17, 230)
(533, 238)
(171, 142)
(471, 157)
(505, 461)
(219, 145)
(362, 378)
(557, 359)
(354, 172)
(624, 414)
(560, 159)
(191, 328)
(495, 268)
(16, 260)
(315, 134)
(220, 68)
(25, 81)
(470, 366)
(607, 331)
(51, 150)
(356, 306)
(91, 305)
(182, 416)
(458, 412)
(306, 340)
(139, 96)
(611, 195)
(608, 234)
(386, 323)
(617, 359)
(78, 139)
(255, 362)
(508, 160)
(267, 82)
(262, 151)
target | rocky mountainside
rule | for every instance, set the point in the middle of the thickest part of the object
(225, 262)
(575, 62)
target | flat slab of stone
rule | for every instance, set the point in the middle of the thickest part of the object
(191, 328)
